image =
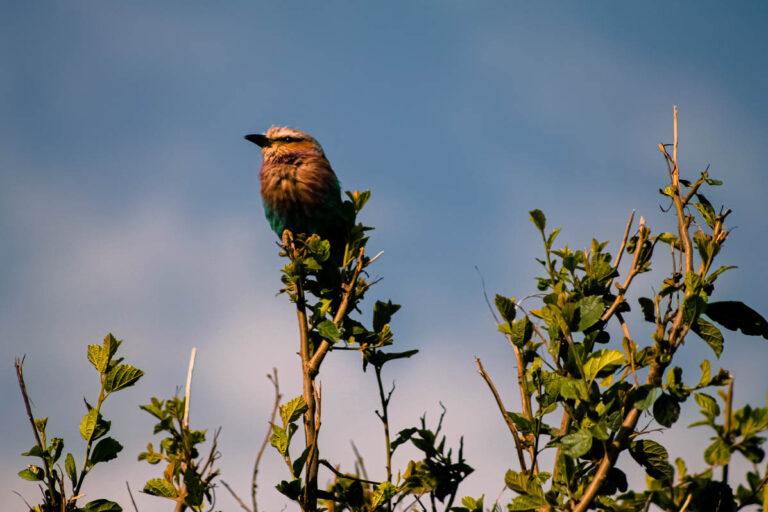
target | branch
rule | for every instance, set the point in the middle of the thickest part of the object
(276, 384)
(313, 366)
(339, 474)
(130, 494)
(19, 364)
(510, 424)
(237, 498)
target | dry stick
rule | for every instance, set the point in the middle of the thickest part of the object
(686, 503)
(339, 474)
(276, 384)
(185, 426)
(130, 494)
(237, 498)
(617, 258)
(510, 424)
(19, 364)
(630, 343)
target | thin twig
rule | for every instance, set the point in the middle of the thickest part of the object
(359, 461)
(617, 258)
(237, 498)
(510, 424)
(276, 384)
(130, 494)
(339, 474)
(19, 364)
(188, 388)
(686, 503)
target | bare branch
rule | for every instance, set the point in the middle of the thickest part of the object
(510, 424)
(276, 384)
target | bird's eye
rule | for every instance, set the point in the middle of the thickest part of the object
(288, 139)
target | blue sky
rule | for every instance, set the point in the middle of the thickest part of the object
(129, 201)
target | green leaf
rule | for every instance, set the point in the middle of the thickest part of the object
(649, 309)
(644, 396)
(717, 454)
(506, 307)
(329, 331)
(102, 506)
(70, 468)
(54, 449)
(735, 316)
(710, 334)
(382, 314)
(121, 376)
(35, 451)
(88, 424)
(706, 373)
(94, 355)
(653, 457)
(707, 404)
(538, 219)
(279, 439)
(521, 332)
(160, 487)
(666, 410)
(298, 464)
(32, 473)
(601, 359)
(105, 450)
(704, 208)
(290, 489)
(522, 503)
(590, 310)
(522, 483)
(577, 444)
(291, 411)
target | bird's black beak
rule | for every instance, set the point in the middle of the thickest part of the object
(260, 140)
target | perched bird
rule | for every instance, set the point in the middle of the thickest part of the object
(299, 189)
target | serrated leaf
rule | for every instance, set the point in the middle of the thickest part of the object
(292, 410)
(523, 503)
(717, 453)
(590, 310)
(653, 457)
(506, 307)
(710, 334)
(279, 439)
(707, 404)
(599, 360)
(105, 450)
(577, 444)
(328, 330)
(94, 354)
(88, 424)
(102, 506)
(120, 377)
(160, 487)
(521, 331)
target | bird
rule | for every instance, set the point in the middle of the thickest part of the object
(299, 189)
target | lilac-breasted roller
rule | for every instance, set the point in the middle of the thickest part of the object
(299, 189)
